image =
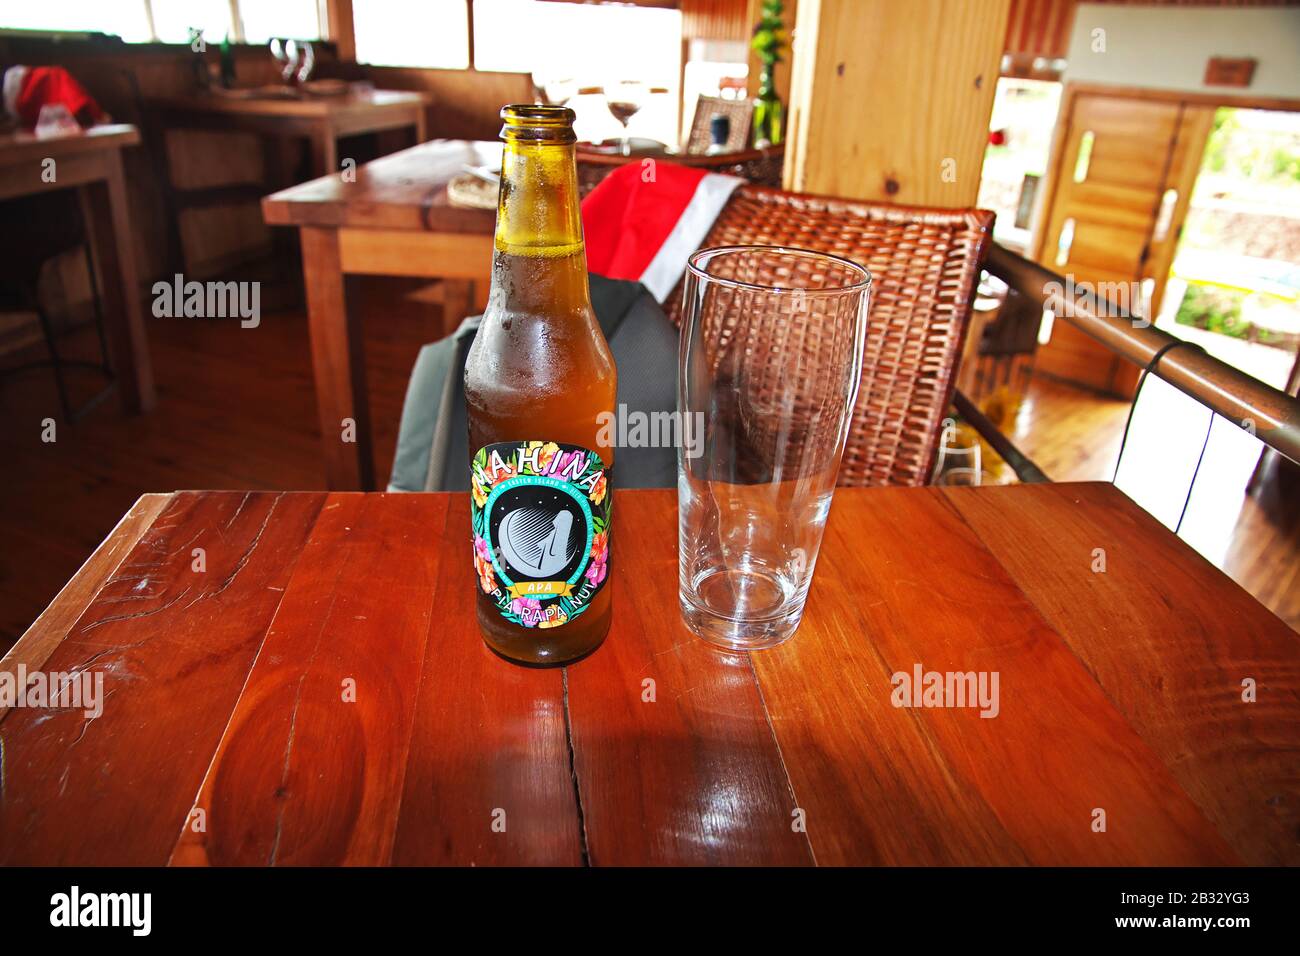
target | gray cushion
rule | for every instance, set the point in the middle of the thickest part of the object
(432, 443)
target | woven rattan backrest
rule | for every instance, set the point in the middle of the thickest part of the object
(924, 265)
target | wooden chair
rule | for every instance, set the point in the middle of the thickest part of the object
(1000, 346)
(924, 264)
(37, 229)
(740, 113)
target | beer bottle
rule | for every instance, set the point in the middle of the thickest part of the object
(539, 381)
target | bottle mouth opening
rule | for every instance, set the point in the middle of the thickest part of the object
(538, 124)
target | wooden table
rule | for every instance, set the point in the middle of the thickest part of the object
(319, 119)
(320, 692)
(394, 220)
(91, 162)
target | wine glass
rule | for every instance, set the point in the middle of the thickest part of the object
(308, 62)
(558, 90)
(624, 100)
(291, 57)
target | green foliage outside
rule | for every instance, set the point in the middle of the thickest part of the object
(1219, 310)
(1235, 148)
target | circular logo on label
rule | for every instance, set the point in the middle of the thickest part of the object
(537, 541)
(539, 533)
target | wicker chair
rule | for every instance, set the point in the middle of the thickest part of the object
(924, 265)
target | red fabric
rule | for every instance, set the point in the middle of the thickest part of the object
(626, 219)
(53, 84)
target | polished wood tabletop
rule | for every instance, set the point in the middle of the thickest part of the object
(298, 679)
(406, 190)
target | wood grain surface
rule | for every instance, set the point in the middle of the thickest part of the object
(319, 694)
(403, 191)
(330, 698)
(675, 759)
(175, 646)
(1169, 648)
(48, 630)
(489, 747)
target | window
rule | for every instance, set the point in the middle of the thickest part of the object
(294, 19)
(430, 33)
(1020, 140)
(171, 19)
(575, 45)
(127, 20)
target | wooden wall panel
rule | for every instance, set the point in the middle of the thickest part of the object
(717, 19)
(466, 104)
(890, 101)
(1042, 27)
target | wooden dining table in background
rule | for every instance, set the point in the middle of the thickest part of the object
(91, 162)
(298, 678)
(278, 115)
(321, 120)
(392, 219)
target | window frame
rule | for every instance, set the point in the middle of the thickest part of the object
(236, 23)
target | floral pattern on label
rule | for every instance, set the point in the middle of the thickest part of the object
(541, 515)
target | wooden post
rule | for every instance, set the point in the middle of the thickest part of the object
(339, 363)
(469, 34)
(112, 242)
(891, 101)
(338, 23)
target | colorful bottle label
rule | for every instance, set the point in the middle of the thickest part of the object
(541, 529)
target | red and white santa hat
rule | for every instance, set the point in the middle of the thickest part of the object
(25, 89)
(645, 219)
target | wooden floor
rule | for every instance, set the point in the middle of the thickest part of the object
(236, 411)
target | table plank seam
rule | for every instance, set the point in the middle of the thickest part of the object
(1116, 501)
(1158, 529)
(780, 754)
(573, 769)
(420, 824)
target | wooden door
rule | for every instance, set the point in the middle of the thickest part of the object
(1121, 175)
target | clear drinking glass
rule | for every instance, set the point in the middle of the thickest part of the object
(771, 357)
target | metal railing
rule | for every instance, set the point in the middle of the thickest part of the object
(1270, 414)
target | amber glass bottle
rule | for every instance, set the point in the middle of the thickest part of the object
(539, 380)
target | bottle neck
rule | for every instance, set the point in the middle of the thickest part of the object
(537, 212)
(540, 262)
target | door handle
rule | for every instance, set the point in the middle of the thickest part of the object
(1065, 241)
(1084, 159)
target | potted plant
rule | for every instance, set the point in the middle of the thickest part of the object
(769, 43)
